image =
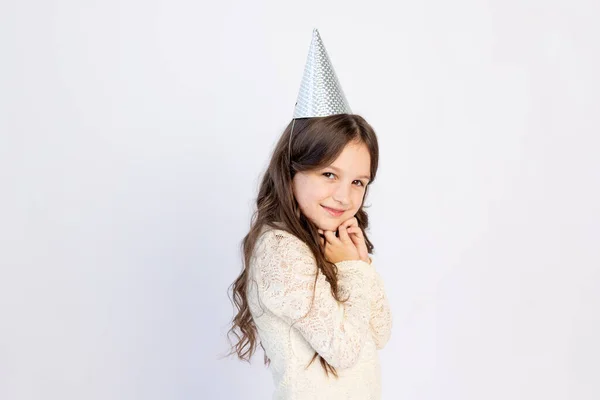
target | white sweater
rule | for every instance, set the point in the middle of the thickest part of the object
(281, 287)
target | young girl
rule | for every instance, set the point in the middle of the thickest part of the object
(308, 289)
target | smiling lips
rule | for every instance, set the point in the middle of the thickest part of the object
(333, 211)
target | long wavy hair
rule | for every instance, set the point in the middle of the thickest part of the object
(315, 143)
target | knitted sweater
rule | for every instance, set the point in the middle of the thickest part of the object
(291, 327)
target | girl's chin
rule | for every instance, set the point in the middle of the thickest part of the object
(324, 225)
(327, 226)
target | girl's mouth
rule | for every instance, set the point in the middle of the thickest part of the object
(333, 212)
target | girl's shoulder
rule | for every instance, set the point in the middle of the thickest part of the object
(277, 234)
(279, 240)
(277, 249)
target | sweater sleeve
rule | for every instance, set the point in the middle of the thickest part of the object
(381, 316)
(286, 271)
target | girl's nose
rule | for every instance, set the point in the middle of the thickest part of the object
(342, 194)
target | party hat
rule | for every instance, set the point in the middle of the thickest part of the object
(320, 91)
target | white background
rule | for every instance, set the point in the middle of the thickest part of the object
(133, 135)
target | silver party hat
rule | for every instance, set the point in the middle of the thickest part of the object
(320, 92)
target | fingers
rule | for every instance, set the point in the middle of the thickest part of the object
(350, 222)
(340, 247)
(358, 241)
(356, 231)
(354, 236)
(330, 237)
(344, 235)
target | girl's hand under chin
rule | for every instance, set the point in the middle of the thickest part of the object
(339, 249)
(356, 235)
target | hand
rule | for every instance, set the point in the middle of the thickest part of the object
(339, 249)
(358, 238)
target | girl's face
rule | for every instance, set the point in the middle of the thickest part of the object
(331, 195)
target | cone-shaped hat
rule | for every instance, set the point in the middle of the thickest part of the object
(320, 92)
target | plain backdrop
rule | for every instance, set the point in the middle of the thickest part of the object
(133, 135)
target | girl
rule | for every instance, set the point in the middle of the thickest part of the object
(308, 289)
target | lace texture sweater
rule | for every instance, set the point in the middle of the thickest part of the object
(291, 326)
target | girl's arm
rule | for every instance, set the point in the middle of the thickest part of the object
(381, 315)
(286, 269)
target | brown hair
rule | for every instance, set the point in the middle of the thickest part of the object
(315, 143)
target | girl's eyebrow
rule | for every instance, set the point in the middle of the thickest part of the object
(360, 177)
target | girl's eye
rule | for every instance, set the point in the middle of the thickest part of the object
(331, 175)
